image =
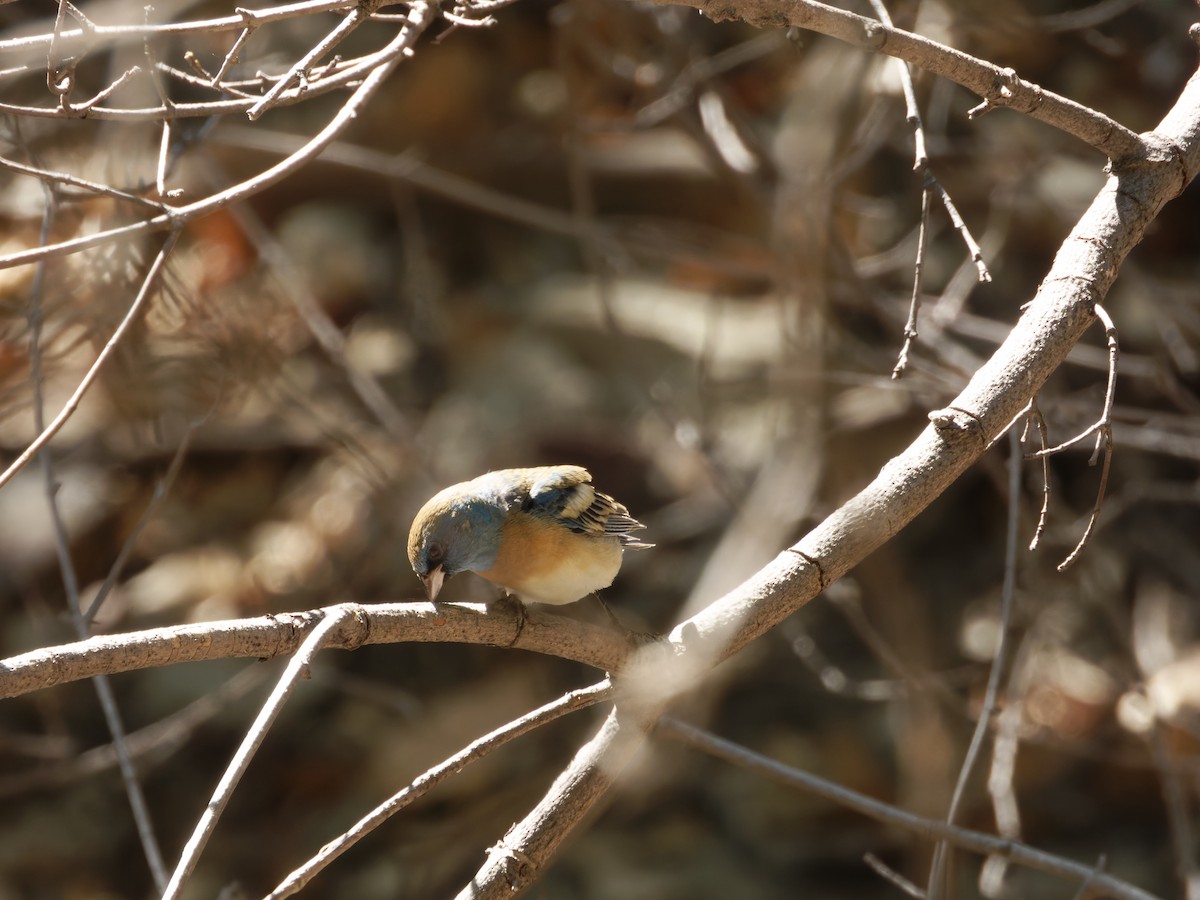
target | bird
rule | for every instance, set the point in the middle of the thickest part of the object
(542, 535)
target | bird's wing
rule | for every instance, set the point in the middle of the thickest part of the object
(565, 494)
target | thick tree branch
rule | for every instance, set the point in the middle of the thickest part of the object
(281, 635)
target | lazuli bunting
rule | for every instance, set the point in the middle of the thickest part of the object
(543, 534)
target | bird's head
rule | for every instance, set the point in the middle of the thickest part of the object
(454, 532)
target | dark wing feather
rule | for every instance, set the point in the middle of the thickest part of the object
(566, 494)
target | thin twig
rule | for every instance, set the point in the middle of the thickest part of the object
(476, 750)
(921, 164)
(148, 746)
(361, 13)
(78, 109)
(297, 668)
(999, 661)
(1079, 438)
(914, 306)
(339, 74)
(82, 183)
(161, 489)
(244, 17)
(1175, 800)
(164, 147)
(248, 90)
(164, 142)
(931, 184)
(322, 328)
(1103, 429)
(973, 248)
(894, 878)
(234, 53)
(967, 839)
(420, 17)
(1039, 422)
(58, 82)
(149, 285)
(101, 684)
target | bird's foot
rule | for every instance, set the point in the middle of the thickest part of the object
(513, 602)
(640, 637)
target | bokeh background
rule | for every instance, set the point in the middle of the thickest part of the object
(677, 253)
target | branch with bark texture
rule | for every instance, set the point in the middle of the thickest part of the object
(277, 635)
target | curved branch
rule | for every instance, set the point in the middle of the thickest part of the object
(281, 635)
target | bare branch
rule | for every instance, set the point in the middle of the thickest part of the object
(297, 667)
(103, 687)
(149, 285)
(991, 695)
(515, 862)
(161, 490)
(64, 178)
(97, 35)
(267, 637)
(998, 86)
(886, 872)
(1102, 428)
(420, 17)
(1039, 421)
(361, 13)
(147, 746)
(476, 750)
(921, 165)
(914, 305)
(933, 829)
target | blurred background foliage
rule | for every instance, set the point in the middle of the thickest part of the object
(679, 254)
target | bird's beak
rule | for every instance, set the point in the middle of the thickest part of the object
(433, 582)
